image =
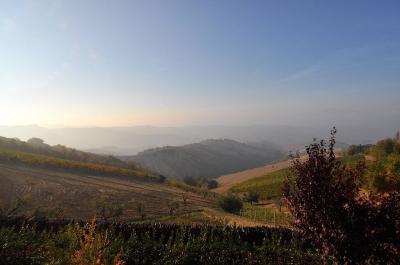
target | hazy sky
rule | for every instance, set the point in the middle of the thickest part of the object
(199, 62)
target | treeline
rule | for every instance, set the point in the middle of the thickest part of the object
(384, 172)
(48, 162)
(44, 242)
(358, 149)
(383, 164)
(201, 182)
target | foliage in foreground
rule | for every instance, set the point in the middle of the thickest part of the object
(330, 210)
(57, 243)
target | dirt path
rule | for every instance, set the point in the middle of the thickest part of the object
(227, 181)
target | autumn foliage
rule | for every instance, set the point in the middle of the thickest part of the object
(347, 224)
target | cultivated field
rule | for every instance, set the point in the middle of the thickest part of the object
(228, 181)
(73, 195)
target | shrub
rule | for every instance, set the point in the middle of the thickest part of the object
(251, 197)
(201, 182)
(212, 184)
(231, 204)
(330, 210)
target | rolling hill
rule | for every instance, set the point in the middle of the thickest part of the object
(210, 158)
(76, 188)
(38, 146)
(126, 141)
(268, 186)
(81, 195)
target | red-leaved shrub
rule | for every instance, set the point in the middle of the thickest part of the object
(348, 224)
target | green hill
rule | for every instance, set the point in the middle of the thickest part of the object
(268, 186)
(37, 146)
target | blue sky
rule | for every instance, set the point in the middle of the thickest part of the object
(107, 63)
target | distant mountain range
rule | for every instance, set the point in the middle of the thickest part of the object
(210, 158)
(131, 140)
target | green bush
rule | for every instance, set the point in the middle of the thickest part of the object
(251, 196)
(231, 204)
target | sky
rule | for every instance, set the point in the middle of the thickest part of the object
(175, 63)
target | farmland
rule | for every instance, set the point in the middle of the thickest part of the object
(228, 181)
(268, 186)
(80, 195)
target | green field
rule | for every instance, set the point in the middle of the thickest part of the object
(268, 186)
(269, 215)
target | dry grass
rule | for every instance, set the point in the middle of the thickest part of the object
(72, 195)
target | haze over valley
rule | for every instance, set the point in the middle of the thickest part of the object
(202, 132)
(131, 140)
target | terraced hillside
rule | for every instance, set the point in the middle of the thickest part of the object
(45, 185)
(81, 195)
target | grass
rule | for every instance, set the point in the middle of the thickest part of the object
(268, 186)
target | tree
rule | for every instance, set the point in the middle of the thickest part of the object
(212, 184)
(329, 209)
(161, 178)
(192, 181)
(35, 141)
(384, 171)
(230, 203)
(201, 182)
(251, 196)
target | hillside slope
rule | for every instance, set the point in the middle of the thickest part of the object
(210, 158)
(70, 195)
(65, 182)
(228, 181)
(37, 146)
